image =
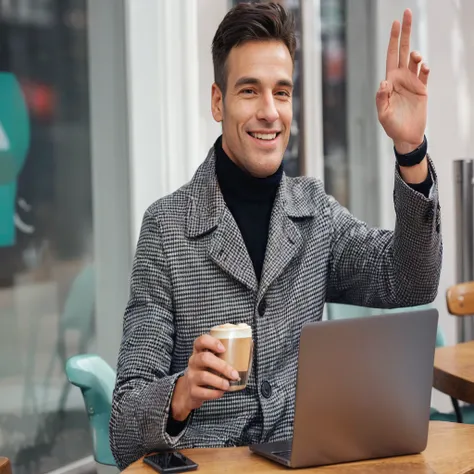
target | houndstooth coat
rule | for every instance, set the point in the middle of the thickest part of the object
(192, 271)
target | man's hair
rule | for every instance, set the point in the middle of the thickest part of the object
(250, 22)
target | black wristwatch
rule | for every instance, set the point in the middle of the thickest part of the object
(414, 157)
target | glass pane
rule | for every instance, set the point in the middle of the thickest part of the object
(46, 231)
(336, 166)
(293, 159)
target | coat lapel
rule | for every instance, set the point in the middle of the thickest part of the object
(207, 213)
(228, 250)
(284, 237)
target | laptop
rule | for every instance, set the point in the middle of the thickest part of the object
(363, 390)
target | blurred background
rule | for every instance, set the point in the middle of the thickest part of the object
(109, 109)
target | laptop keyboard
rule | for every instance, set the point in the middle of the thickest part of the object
(283, 454)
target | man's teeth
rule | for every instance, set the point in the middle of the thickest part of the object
(264, 136)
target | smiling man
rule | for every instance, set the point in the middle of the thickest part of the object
(252, 98)
(244, 243)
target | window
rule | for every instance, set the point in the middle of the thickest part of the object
(46, 231)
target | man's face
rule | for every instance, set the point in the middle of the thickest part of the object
(256, 112)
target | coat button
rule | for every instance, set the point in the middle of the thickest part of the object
(262, 307)
(266, 389)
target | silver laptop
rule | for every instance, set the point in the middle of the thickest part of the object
(363, 390)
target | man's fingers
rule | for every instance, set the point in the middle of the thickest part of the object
(208, 343)
(209, 361)
(405, 39)
(383, 95)
(415, 60)
(202, 394)
(392, 52)
(207, 379)
(424, 73)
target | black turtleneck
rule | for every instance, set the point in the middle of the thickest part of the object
(250, 200)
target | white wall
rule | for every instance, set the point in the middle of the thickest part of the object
(162, 68)
(451, 39)
(170, 75)
(312, 88)
(444, 34)
(209, 14)
(110, 173)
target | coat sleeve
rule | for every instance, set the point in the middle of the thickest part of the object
(387, 269)
(144, 385)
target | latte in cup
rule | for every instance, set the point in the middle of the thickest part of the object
(237, 340)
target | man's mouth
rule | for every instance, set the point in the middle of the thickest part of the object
(264, 136)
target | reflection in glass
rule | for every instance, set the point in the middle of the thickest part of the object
(46, 272)
(334, 76)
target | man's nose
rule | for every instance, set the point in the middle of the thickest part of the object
(267, 109)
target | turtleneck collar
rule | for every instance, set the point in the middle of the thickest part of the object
(236, 182)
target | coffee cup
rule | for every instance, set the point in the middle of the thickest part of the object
(238, 344)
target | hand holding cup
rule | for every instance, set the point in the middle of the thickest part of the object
(221, 362)
(206, 378)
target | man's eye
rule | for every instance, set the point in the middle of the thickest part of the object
(247, 91)
(283, 93)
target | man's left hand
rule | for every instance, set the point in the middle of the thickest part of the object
(402, 98)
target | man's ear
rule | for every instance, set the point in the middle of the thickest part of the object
(217, 103)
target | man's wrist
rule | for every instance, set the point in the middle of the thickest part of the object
(412, 160)
(179, 410)
(404, 148)
(415, 174)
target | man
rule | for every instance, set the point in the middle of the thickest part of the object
(243, 243)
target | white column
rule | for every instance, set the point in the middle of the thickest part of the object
(144, 118)
(362, 123)
(162, 56)
(210, 14)
(312, 88)
(110, 173)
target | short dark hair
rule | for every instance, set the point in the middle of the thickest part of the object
(250, 22)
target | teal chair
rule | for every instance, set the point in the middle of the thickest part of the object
(78, 317)
(96, 379)
(340, 311)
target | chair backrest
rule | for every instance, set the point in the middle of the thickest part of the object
(80, 303)
(460, 299)
(96, 379)
(339, 311)
(5, 466)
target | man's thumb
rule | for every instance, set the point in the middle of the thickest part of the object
(382, 97)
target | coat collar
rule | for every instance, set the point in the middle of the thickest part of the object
(207, 206)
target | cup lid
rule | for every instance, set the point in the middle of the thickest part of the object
(229, 330)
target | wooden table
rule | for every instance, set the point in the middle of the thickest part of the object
(5, 467)
(454, 371)
(450, 451)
